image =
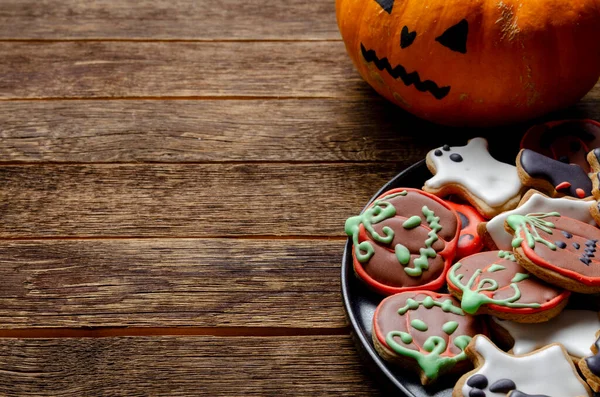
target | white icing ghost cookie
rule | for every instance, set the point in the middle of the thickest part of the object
(545, 372)
(574, 329)
(495, 237)
(473, 174)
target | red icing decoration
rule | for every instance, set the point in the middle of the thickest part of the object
(469, 241)
(563, 185)
(447, 253)
(580, 193)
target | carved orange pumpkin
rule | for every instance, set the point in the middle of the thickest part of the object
(475, 62)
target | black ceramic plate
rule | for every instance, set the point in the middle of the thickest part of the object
(360, 304)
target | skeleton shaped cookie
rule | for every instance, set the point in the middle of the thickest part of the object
(471, 173)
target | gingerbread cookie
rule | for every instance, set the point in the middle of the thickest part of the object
(590, 365)
(492, 282)
(574, 329)
(545, 372)
(568, 141)
(426, 332)
(473, 174)
(495, 237)
(553, 177)
(405, 240)
(593, 159)
(558, 249)
(469, 241)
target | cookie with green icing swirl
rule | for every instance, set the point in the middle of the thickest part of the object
(492, 282)
(404, 240)
(426, 332)
(560, 250)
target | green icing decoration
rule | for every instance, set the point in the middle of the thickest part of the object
(495, 268)
(379, 211)
(419, 325)
(402, 254)
(520, 223)
(406, 337)
(428, 303)
(450, 327)
(506, 255)
(412, 222)
(433, 363)
(472, 300)
(519, 277)
(421, 263)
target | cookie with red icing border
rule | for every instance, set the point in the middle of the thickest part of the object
(405, 240)
(545, 372)
(568, 141)
(471, 173)
(495, 237)
(469, 241)
(560, 250)
(590, 365)
(553, 177)
(425, 332)
(492, 282)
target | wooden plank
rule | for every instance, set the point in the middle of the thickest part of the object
(177, 69)
(185, 200)
(168, 19)
(170, 283)
(369, 129)
(184, 366)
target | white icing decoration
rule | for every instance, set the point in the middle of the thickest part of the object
(577, 209)
(574, 329)
(488, 179)
(547, 371)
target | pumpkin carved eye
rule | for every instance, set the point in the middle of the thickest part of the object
(406, 37)
(386, 5)
(455, 37)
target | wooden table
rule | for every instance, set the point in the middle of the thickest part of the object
(174, 183)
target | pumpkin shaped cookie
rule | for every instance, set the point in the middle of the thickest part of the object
(405, 240)
(426, 332)
(558, 249)
(492, 282)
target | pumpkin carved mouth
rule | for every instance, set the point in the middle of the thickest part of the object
(399, 72)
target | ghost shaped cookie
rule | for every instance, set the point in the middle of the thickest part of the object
(471, 173)
(575, 330)
(405, 240)
(545, 372)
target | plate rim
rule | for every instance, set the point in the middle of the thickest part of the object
(350, 315)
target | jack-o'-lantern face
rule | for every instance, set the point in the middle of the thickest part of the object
(479, 61)
(454, 38)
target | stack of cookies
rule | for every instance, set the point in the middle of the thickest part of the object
(477, 267)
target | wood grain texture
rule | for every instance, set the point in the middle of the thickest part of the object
(182, 200)
(369, 129)
(169, 283)
(176, 69)
(184, 366)
(168, 19)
